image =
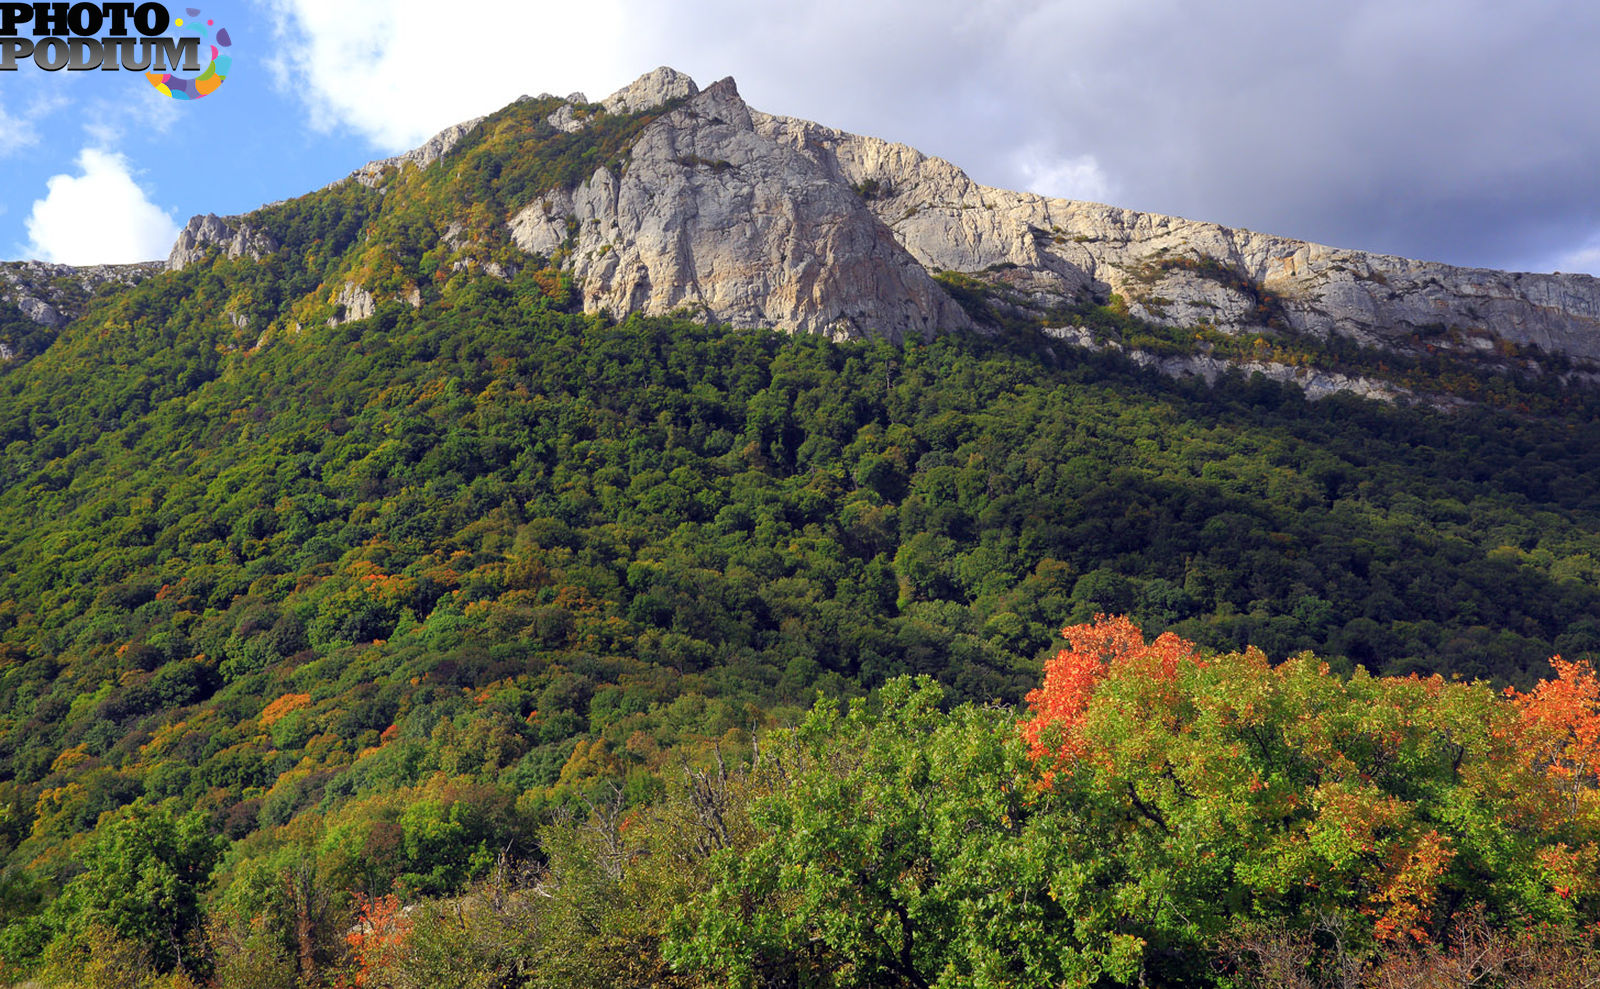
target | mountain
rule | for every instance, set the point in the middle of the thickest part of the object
(769, 221)
(717, 209)
(368, 547)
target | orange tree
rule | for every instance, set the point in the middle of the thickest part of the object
(1558, 732)
(1230, 792)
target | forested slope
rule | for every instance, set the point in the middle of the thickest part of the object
(346, 607)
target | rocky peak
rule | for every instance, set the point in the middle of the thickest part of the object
(650, 91)
(711, 217)
(645, 93)
(234, 235)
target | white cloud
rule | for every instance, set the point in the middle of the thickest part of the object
(19, 132)
(399, 71)
(1454, 130)
(1585, 259)
(107, 121)
(99, 217)
(1080, 177)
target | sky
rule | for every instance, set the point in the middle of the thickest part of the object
(1460, 131)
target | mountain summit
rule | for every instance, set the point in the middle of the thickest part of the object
(770, 221)
(666, 198)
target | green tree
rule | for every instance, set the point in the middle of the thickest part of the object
(900, 846)
(143, 875)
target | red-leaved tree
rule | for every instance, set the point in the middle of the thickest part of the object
(376, 939)
(1559, 730)
(1070, 679)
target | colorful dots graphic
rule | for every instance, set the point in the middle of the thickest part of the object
(215, 73)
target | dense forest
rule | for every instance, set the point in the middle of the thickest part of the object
(480, 642)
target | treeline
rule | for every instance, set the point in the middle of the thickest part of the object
(1161, 814)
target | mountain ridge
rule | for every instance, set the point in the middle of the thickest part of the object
(351, 563)
(763, 220)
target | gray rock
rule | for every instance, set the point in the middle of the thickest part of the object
(233, 235)
(566, 120)
(712, 217)
(39, 311)
(53, 295)
(645, 93)
(650, 91)
(1316, 383)
(355, 302)
(1181, 272)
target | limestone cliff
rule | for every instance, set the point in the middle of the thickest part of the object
(235, 236)
(1183, 272)
(52, 295)
(772, 221)
(711, 216)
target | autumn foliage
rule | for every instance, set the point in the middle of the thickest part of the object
(1558, 731)
(377, 939)
(1071, 677)
(282, 707)
(1286, 790)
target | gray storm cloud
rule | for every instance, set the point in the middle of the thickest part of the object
(1459, 132)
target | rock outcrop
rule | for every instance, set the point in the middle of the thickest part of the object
(53, 295)
(1316, 383)
(1182, 272)
(650, 91)
(352, 302)
(436, 147)
(710, 216)
(233, 235)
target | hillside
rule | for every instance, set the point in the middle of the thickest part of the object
(416, 535)
(705, 206)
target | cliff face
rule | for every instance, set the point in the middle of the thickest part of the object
(53, 295)
(767, 220)
(1181, 272)
(233, 236)
(721, 211)
(710, 214)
